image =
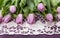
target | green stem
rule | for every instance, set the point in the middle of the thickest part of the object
(48, 6)
(21, 10)
(31, 12)
(44, 14)
(16, 3)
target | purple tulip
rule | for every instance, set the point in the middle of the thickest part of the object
(7, 18)
(58, 9)
(49, 17)
(41, 7)
(31, 19)
(19, 19)
(12, 9)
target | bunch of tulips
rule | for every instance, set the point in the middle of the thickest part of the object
(26, 9)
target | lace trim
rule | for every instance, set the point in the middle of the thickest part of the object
(33, 29)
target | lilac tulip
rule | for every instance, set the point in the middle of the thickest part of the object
(7, 18)
(58, 9)
(49, 17)
(12, 9)
(19, 19)
(41, 7)
(31, 19)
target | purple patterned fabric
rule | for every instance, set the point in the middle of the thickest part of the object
(30, 36)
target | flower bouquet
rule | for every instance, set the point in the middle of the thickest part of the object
(29, 17)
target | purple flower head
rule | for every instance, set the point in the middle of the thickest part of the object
(41, 7)
(12, 9)
(19, 19)
(49, 17)
(58, 9)
(7, 18)
(31, 19)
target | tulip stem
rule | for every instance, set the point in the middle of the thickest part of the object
(48, 6)
(44, 13)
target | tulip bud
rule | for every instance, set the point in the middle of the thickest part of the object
(41, 7)
(12, 9)
(19, 19)
(7, 18)
(31, 19)
(58, 9)
(49, 17)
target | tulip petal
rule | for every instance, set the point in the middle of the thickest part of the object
(19, 19)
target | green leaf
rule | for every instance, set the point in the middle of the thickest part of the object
(4, 2)
(5, 10)
(16, 2)
(1, 1)
(14, 15)
(55, 2)
(26, 11)
(48, 3)
(36, 2)
(22, 3)
(44, 2)
(12, 1)
(30, 5)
